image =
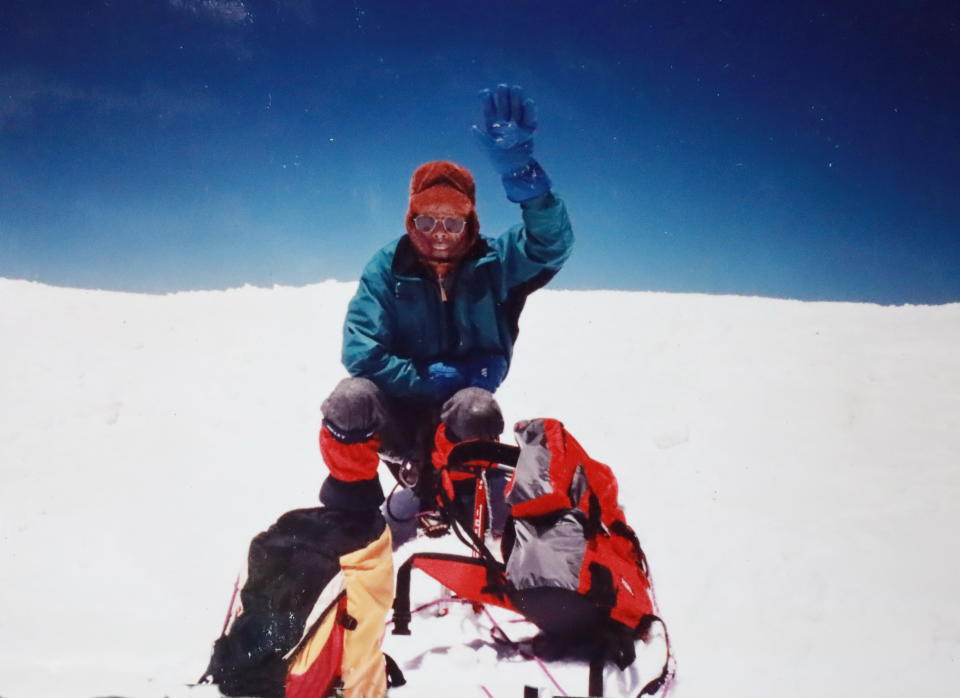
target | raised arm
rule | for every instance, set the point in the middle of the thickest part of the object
(544, 241)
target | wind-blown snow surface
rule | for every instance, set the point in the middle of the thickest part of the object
(791, 469)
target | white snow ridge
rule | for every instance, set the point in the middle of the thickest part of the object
(791, 469)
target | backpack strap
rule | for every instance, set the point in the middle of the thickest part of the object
(594, 521)
(669, 665)
(622, 529)
(602, 591)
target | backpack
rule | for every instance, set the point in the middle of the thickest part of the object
(571, 558)
(311, 609)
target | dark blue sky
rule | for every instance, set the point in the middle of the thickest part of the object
(798, 149)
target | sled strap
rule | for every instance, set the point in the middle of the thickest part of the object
(394, 675)
(595, 683)
(401, 601)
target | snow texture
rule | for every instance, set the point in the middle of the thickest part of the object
(791, 469)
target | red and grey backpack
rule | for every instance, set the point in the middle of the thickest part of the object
(571, 558)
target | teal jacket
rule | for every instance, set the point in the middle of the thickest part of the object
(397, 323)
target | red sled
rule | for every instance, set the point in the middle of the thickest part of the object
(571, 564)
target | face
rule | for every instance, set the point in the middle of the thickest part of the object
(440, 233)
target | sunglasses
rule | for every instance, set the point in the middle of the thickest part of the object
(427, 224)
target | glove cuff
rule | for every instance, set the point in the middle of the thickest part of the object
(528, 182)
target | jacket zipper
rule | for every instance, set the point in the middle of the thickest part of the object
(443, 290)
(441, 314)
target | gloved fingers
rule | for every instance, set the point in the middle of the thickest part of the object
(507, 103)
(509, 120)
(486, 371)
(528, 119)
(501, 98)
(489, 108)
(516, 104)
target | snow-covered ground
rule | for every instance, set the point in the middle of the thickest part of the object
(792, 469)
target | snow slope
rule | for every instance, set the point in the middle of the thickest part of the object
(791, 469)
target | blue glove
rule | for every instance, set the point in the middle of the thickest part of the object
(444, 379)
(509, 121)
(485, 371)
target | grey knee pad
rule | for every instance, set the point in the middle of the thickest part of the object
(354, 410)
(472, 413)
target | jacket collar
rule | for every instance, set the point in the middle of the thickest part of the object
(407, 263)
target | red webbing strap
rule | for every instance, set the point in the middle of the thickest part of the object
(233, 601)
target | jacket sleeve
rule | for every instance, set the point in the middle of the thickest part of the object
(368, 338)
(542, 243)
